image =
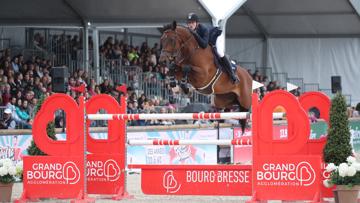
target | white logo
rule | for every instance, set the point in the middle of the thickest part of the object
(103, 171)
(71, 173)
(301, 174)
(112, 170)
(169, 182)
(53, 173)
(305, 173)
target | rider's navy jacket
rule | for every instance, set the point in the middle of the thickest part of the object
(202, 35)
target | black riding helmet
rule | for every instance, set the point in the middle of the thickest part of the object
(192, 17)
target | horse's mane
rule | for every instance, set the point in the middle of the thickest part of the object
(172, 26)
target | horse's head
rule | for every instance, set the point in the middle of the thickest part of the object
(173, 41)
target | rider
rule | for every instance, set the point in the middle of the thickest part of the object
(201, 34)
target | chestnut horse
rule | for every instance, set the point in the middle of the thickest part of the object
(183, 54)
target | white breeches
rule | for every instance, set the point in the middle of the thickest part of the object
(220, 46)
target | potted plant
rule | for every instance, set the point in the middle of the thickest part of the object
(346, 177)
(9, 172)
(343, 167)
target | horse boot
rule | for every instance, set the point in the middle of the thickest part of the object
(184, 86)
(229, 70)
(172, 81)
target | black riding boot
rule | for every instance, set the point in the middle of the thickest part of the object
(230, 71)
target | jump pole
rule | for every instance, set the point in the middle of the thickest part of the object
(242, 141)
(176, 116)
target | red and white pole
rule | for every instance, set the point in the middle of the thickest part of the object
(241, 141)
(176, 116)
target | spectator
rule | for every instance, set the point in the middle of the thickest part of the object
(164, 121)
(6, 95)
(312, 117)
(141, 100)
(105, 87)
(8, 122)
(15, 64)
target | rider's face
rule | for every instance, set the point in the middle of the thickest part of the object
(192, 25)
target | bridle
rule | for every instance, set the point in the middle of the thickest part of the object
(177, 57)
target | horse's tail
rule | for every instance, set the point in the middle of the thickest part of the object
(243, 122)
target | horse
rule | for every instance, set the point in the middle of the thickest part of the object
(186, 59)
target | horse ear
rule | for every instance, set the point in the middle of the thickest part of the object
(174, 24)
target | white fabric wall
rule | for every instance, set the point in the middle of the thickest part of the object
(316, 60)
(245, 50)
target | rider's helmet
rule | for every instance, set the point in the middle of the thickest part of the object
(192, 17)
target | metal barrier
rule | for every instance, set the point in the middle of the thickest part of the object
(5, 43)
(308, 87)
(281, 78)
(29, 53)
(327, 92)
(200, 98)
(248, 66)
(265, 71)
(298, 82)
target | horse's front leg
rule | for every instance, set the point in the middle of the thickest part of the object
(184, 81)
(172, 74)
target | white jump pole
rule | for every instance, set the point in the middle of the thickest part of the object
(242, 141)
(176, 116)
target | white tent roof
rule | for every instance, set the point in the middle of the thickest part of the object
(256, 18)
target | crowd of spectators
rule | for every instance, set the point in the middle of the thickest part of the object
(21, 85)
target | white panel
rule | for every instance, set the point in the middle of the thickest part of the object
(316, 60)
(312, 24)
(261, 6)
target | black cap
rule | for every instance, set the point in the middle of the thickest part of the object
(192, 17)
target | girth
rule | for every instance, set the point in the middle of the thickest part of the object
(209, 88)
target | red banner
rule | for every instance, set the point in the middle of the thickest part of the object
(296, 178)
(104, 174)
(44, 175)
(196, 179)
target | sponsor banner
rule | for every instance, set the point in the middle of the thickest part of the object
(318, 130)
(182, 154)
(243, 154)
(196, 180)
(285, 178)
(225, 133)
(104, 173)
(65, 175)
(355, 135)
(14, 146)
